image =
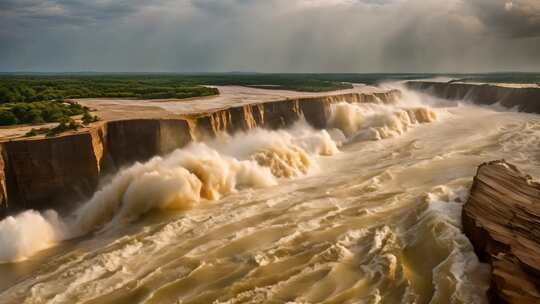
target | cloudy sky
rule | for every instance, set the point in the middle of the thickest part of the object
(270, 35)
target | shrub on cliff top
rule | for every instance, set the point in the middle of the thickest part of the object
(66, 124)
(88, 119)
(38, 112)
(7, 118)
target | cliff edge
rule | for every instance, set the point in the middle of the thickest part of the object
(502, 220)
(524, 99)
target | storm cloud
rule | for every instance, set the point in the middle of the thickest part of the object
(270, 35)
(515, 18)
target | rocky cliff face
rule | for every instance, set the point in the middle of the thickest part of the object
(524, 99)
(502, 220)
(277, 114)
(53, 172)
(63, 171)
(3, 187)
(128, 141)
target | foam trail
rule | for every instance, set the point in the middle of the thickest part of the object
(441, 220)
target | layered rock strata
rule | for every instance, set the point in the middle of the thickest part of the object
(502, 220)
(522, 99)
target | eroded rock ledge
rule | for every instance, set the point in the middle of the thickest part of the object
(522, 99)
(63, 171)
(502, 220)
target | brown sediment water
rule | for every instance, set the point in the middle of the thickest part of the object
(366, 211)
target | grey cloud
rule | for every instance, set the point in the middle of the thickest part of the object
(512, 18)
(59, 12)
(266, 35)
(223, 6)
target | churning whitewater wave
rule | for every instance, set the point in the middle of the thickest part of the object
(371, 121)
(457, 275)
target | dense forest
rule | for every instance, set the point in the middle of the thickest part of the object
(13, 113)
(26, 88)
(34, 99)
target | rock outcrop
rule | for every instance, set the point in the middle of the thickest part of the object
(128, 141)
(502, 220)
(523, 99)
(61, 172)
(52, 172)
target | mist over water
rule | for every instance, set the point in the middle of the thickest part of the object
(29, 232)
(367, 211)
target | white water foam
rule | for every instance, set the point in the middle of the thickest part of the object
(370, 121)
(29, 232)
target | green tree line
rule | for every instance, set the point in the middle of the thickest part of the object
(36, 112)
(40, 88)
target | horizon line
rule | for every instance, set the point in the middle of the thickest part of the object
(263, 73)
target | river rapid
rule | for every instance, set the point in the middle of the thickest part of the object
(367, 211)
